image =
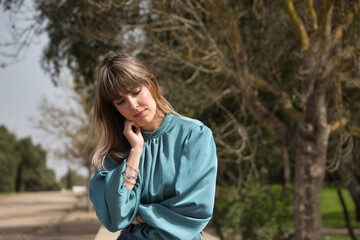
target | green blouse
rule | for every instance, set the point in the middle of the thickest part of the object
(175, 190)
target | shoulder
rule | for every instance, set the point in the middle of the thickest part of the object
(186, 121)
(189, 125)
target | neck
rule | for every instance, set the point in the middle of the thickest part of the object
(156, 123)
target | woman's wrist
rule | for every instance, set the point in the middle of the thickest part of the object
(132, 167)
(137, 150)
(134, 157)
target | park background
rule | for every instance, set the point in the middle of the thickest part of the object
(276, 81)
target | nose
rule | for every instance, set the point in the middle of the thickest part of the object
(133, 103)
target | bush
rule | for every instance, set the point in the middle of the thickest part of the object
(255, 212)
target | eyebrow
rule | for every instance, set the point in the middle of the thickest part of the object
(117, 99)
(128, 92)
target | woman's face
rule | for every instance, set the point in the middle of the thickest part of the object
(139, 106)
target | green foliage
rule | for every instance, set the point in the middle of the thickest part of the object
(257, 211)
(8, 172)
(33, 174)
(9, 160)
(331, 210)
(263, 211)
(270, 158)
(23, 165)
(78, 49)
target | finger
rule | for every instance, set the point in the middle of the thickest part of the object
(138, 218)
(136, 128)
(132, 127)
(127, 126)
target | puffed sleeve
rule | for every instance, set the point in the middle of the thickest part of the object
(115, 204)
(186, 214)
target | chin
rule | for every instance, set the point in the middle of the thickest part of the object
(142, 123)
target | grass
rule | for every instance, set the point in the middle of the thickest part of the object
(337, 237)
(332, 212)
(331, 209)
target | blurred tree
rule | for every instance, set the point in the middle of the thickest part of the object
(32, 174)
(68, 124)
(69, 180)
(67, 24)
(23, 165)
(72, 178)
(9, 160)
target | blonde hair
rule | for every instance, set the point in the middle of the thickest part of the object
(119, 72)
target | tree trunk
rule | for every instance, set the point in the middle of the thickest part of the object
(19, 186)
(287, 168)
(311, 140)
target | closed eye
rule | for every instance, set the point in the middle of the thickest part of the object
(120, 101)
(137, 92)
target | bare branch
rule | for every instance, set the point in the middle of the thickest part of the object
(338, 33)
(310, 5)
(304, 38)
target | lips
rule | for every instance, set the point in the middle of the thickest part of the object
(140, 114)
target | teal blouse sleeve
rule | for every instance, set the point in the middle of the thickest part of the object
(115, 205)
(186, 214)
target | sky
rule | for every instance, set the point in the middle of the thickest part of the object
(23, 84)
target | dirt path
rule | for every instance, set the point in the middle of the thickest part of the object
(46, 215)
(56, 216)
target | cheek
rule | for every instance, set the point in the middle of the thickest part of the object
(150, 100)
(121, 110)
(154, 103)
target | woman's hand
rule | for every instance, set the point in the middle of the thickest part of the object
(138, 218)
(132, 133)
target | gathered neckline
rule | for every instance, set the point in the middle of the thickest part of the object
(164, 125)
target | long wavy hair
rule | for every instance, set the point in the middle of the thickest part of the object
(119, 73)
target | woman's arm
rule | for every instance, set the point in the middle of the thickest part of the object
(132, 132)
(115, 204)
(186, 214)
(115, 193)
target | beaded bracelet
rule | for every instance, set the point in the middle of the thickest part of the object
(128, 180)
(129, 176)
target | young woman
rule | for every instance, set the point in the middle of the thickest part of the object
(156, 170)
